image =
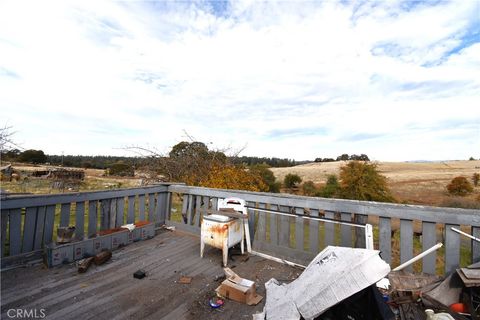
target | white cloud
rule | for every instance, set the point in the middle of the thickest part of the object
(289, 79)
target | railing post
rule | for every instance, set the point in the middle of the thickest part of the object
(360, 232)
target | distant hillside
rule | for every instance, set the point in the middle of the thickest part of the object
(411, 182)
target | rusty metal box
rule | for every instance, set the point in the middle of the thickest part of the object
(57, 255)
(102, 243)
(83, 249)
(147, 231)
(119, 239)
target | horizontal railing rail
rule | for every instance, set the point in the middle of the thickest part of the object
(28, 222)
(401, 230)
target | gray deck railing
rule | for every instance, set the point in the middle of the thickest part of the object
(28, 222)
(399, 229)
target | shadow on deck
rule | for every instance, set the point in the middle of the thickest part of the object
(109, 291)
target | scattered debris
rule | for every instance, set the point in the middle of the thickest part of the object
(139, 274)
(470, 277)
(431, 315)
(185, 280)
(238, 289)
(130, 226)
(65, 234)
(169, 228)
(102, 257)
(84, 264)
(333, 275)
(266, 256)
(418, 257)
(216, 302)
(465, 234)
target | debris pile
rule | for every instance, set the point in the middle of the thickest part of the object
(347, 283)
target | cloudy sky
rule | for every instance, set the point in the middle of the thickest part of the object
(397, 80)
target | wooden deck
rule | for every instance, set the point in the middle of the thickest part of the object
(110, 291)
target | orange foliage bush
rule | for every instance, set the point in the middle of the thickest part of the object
(233, 177)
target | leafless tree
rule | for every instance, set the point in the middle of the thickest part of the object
(6, 141)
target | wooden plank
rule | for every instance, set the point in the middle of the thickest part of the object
(215, 203)
(160, 209)
(49, 224)
(284, 233)
(429, 239)
(392, 210)
(184, 227)
(289, 254)
(329, 229)
(251, 222)
(475, 245)
(406, 242)
(14, 201)
(112, 214)
(274, 220)
(385, 238)
(299, 225)
(131, 209)
(141, 207)
(360, 232)
(65, 215)
(205, 206)
(92, 218)
(39, 228)
(168, 206)
(4, 222)
(79, 220)
(198, 205)
(151, 206)
(190, 209)
(14, 229)
(105, 211)
(120, 210)
(29, 229)
(184, 207)
(313, 232)
(261, 232)
(452, 248)
(346, 231)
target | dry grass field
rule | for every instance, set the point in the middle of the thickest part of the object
(95, 179)
(411, 182)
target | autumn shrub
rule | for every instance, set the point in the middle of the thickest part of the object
(476, 179)
(121, 169)
(233, 177)
(291, 180)
(309, 188)
(331, 188)
(267, 175)
(459, 186)
(362, 181)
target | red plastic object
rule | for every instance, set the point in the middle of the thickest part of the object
(458, 307)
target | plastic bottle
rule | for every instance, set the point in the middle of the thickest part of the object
(437, 316)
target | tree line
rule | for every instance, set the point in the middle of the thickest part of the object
(345, 157)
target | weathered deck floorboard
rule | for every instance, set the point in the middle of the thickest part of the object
(110, 291)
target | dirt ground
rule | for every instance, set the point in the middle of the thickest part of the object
(410, 182)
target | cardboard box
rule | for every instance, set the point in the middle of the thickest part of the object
(238, 289)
